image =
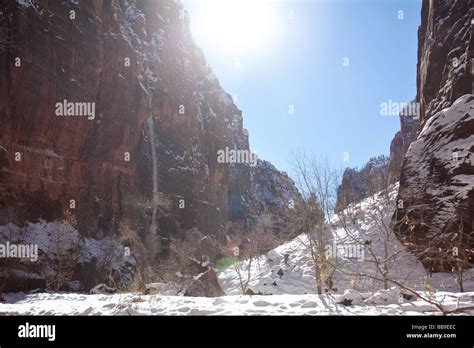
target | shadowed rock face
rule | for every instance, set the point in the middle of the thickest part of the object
(445, 46)
(436, 195)
(445, 49)
(436, 180)
(146, 164)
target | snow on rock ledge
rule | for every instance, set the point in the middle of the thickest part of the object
(437, 183)
(63, 256)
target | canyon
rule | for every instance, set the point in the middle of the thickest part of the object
(137, 193)
(432, 154)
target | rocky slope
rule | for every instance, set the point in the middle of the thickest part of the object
(436, 196)
(143, 169)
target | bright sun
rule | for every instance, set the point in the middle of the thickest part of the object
(235, 26)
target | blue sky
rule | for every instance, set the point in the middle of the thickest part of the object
(336, 108)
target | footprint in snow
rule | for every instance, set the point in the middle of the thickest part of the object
(313, 312)
(220, 301)
(309, 304)
(87, 311)
(261, 303)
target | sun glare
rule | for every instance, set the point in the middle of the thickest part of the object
(235, 26)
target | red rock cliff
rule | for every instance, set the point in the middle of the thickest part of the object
(144, 169)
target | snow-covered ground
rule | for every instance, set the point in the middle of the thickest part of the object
(285, 278)
(381, 303)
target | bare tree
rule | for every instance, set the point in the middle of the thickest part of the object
(383, 248)
(317, 183)
(63, 255)
(244, 278)
(449, 248)
(382, 252)
(248, 257)
(459, 255)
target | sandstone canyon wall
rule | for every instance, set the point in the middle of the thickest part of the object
(143, 173)
(435, 210)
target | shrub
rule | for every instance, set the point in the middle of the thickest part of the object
(225, 262)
